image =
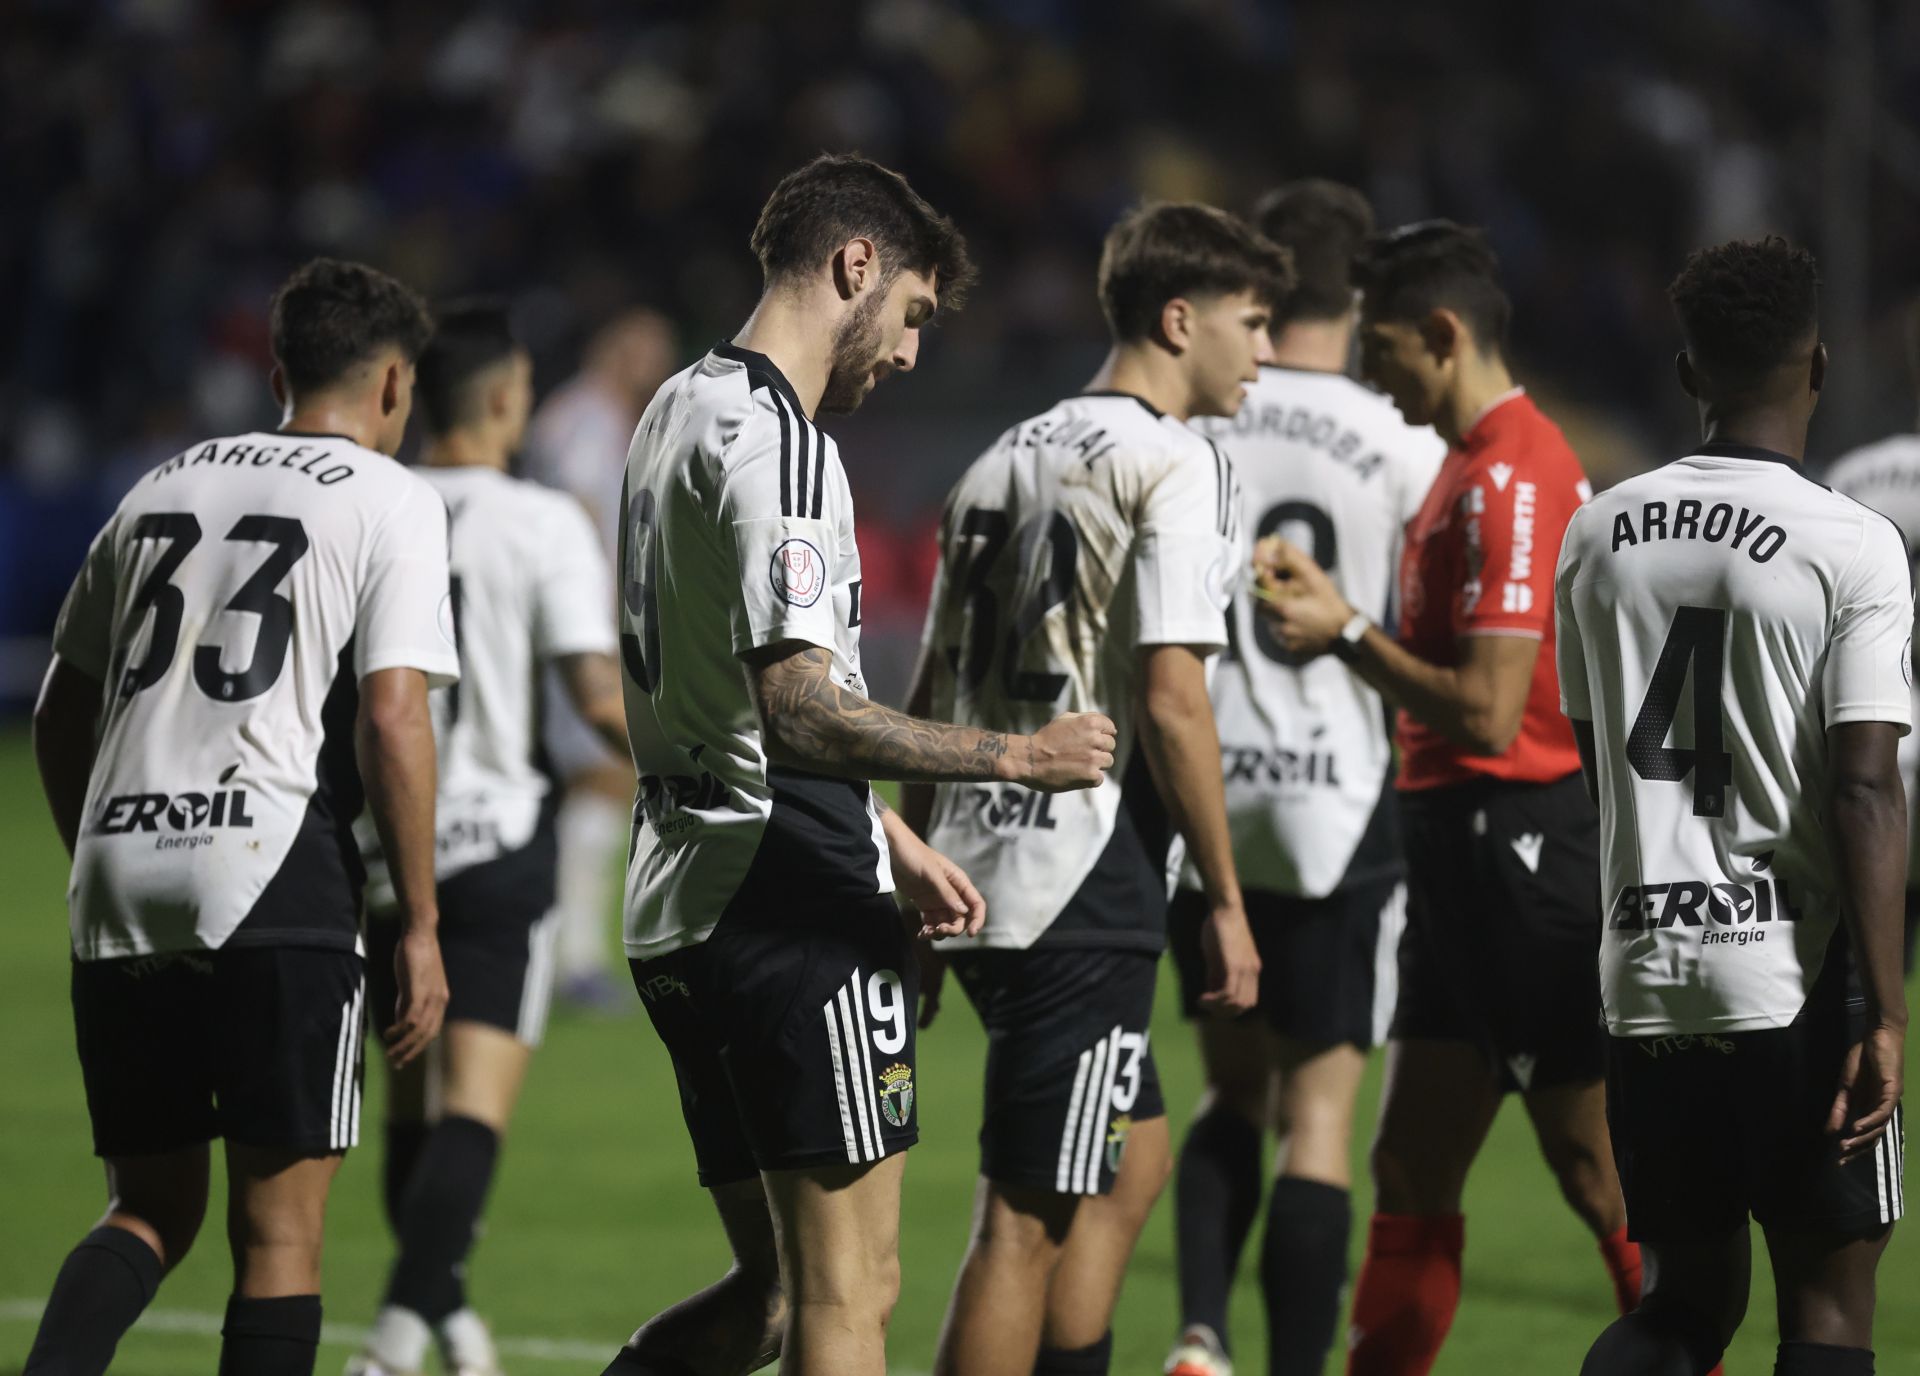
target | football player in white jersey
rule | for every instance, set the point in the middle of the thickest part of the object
(260, 610)
(1086, 560)
(762, 934)
(528, 582)
(1308, 765)
(1735, 647)
(1886, 476)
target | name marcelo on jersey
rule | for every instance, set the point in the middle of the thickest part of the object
(301, 458)
(1689, 523)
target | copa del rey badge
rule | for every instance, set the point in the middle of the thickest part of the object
(799, 573)
(896, 1094)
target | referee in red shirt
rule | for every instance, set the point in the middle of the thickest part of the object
(1499, 985)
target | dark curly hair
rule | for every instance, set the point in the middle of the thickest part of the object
(1747, 306)
(332, 314)
(842, 196)
(1322, 224)
(471, 337)
(1162, 250)
(1409, 272)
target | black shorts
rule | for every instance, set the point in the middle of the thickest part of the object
(1069, 1068)
(1503, 927)
(1709, 1129)
(793, 1041)
(257, 1044)
(1328, 966)
(496, 942)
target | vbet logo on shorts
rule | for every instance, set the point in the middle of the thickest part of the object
(798, 572)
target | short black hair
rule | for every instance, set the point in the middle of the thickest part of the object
(842, 196)
(1409, 272)
(331, 315)
(1162, 250)
(1322, 224)
(1747, 306)
(471, 337)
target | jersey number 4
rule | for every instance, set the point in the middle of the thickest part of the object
(1698, 636)
(181, 531)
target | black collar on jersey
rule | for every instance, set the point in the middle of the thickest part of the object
(1152, 410)
(1296, 368)
(317, 435)
(1720, 449)
(760, 369)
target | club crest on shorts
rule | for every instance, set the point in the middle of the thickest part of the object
(798, 572)
(896, 1093)
(1117, 1134)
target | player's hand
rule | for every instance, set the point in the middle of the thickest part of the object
(1233, 963)
(423, 996)
(1069, 752)
(939, 890)
(1870, 1082)
(1302, 605)
(933, 975)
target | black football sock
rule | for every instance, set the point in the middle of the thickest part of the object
(406, 1137)
(1303, 1267)
(270, 1337)
(1821, 1359)
(1654, 1340)
(440, 1215)
(1216, 1194)
(103, 1285)
(1076, 1361)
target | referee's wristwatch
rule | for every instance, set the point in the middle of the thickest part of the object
(1347, 642)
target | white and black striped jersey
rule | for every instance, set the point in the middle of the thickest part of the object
(230, 607)
(1082, 535)
(1716, 617)
(1304, 744)
(1885, 475)
(529, 585)
(736, 534)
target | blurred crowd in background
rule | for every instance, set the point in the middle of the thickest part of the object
(163, 163)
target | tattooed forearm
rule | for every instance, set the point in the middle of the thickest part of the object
(813, 722)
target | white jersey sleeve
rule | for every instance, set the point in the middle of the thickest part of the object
(572, 601)
(779, 515)
(1576, 700)
(1869, 668)
(405, 618)
(1184, 557)
(83, 636)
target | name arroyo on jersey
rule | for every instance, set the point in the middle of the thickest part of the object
(224, 453)
(1689, 523)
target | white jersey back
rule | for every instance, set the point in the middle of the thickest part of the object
(529, 585)
(1886, 476)
(1083, 534)
(1304, 744)
(230, 608)
(1717, 616)
(736, 534)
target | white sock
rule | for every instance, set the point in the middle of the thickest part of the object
(591, 829)
(465, 1343)
(399, 1338)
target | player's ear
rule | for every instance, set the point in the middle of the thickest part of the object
(1689, 380)
(1817, 370)
(1441, 332)
(390, 389)
(1176, 324)
(277, 380)
(856, 267)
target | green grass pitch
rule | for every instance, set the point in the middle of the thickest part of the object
(597, 1222)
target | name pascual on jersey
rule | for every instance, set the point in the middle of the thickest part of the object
(1714, 524)
(302, 458)
(1077, 434)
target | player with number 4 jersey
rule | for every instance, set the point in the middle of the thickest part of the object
(251, 638)
(1086, 562)
(1736, 648)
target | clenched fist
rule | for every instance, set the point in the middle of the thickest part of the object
(1069, 752)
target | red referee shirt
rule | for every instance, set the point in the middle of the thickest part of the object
(1479, 560)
